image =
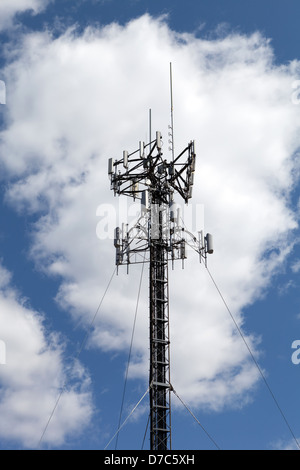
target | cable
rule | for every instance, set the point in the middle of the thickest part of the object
(254, 360)
(147, 425)
(120, 427)
(77, 356)
(130, 349)
(209, 436)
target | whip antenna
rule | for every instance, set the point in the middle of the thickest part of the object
(171, 127)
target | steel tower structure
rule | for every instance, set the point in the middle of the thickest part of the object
(156, 238)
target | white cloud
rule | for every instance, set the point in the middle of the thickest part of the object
(77, 100)
(295, 267)
(32, 378)
(9, 8)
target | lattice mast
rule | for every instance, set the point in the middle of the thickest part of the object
(157, 238)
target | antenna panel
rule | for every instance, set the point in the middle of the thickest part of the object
(125, 159)
(209, 243)
(145, 201)
(158, 140)
(110, 166)
(117, 237)
(142, 149)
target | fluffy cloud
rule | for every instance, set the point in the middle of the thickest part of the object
(33, 376)
(76, 100)
(9, 8)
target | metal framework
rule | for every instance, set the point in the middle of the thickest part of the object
(157, 237)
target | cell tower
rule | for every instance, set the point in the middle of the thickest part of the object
(158, 237)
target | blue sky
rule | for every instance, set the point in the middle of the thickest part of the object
(76, 96)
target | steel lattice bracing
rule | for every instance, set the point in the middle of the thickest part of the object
(159, 377)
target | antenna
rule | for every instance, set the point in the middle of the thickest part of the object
(150, 125)
(171, 133)
(157, 237)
